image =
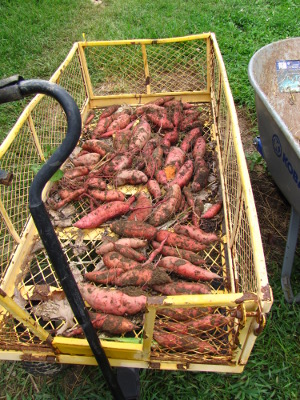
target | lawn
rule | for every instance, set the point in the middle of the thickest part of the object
(35, 37)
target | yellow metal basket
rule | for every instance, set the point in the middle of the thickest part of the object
(132, 72)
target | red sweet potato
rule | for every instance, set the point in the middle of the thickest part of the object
(176, 158)
(113, 259)
(184, 314)
(121, 140)
(213, 210)
(111, 301)
(186, 269)
(106, 277)
(102, 126)
(200, 179)
(130, 177)
(196, 233)
(109, 111)
(107, 195)
(117, 163)
(181, 253)
(176, 288)
(174, 112)
(191, 121)
(129, 252)
(184, 175)
(132, 229)
(88, 159)
(75, 172)
(161, 177)
(95, 182)
(133, 243)
(180, 343)
(141, 133)
(167, 208)
(170, 138)
(103, 213)
(142, 209)
(199, 148)
(197, 326)
(189, 139)
(68, 196)
(121, 121)
(179, 241)
(154, 189)
(159, 117)
(142, 276)
(96, 146)
(154, 162)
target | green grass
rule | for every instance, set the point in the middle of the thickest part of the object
(35, 38)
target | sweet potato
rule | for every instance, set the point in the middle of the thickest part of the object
(184, 175)
(199, 148)
(89, 118)
(184, 314)
(213, 210)
(176, 158)
(103, 213)
(102, 126)
(186, 269)
(191, 121)
(107, 195)
(96, 146)
(170, 137)
(122, 120)
(130, 177)
(121, 140)
(200, 179)
(133, 243)
(154, 189)
(95, 182)
(167, 208)
(106, 277)
(113, 324)
(197, 211)
(161, 177)
(87, 160)
(197, 326)
(142, 276)
(111, 301)
(117, 163)
(180, 241)
(159, 117)
(67, 197)
(75, 172)
(196, 233)
(109, 111)
(154, 162)
(113, 259)
(189, 139)
(180, 343)
(113, 132)
(176, 288)
(132, 229)
(174, 112)
(141, 133)
(129, 252)
(181, 253)
(142, 209)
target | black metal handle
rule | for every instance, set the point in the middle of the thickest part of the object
(44, 225)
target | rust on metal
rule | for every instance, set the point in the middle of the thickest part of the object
(156, 300)
(266, 293)
(39, 358)
(2, 293)
(154, 365)
(246, 297)
(147, 80)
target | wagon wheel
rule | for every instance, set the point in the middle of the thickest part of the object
(43, 368)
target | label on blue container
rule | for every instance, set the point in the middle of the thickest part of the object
(288, 75)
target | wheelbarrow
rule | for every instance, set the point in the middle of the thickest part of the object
(274, 72)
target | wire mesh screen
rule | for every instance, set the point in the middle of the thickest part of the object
(170, 67)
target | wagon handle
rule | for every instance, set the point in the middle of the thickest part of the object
(15, 88)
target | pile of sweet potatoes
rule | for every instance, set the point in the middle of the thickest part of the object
(156, 239)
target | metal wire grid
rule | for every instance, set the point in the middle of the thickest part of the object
(172, 67)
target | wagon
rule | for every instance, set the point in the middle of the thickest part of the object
(131, 72)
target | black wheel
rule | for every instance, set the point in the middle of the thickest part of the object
(42, 368)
